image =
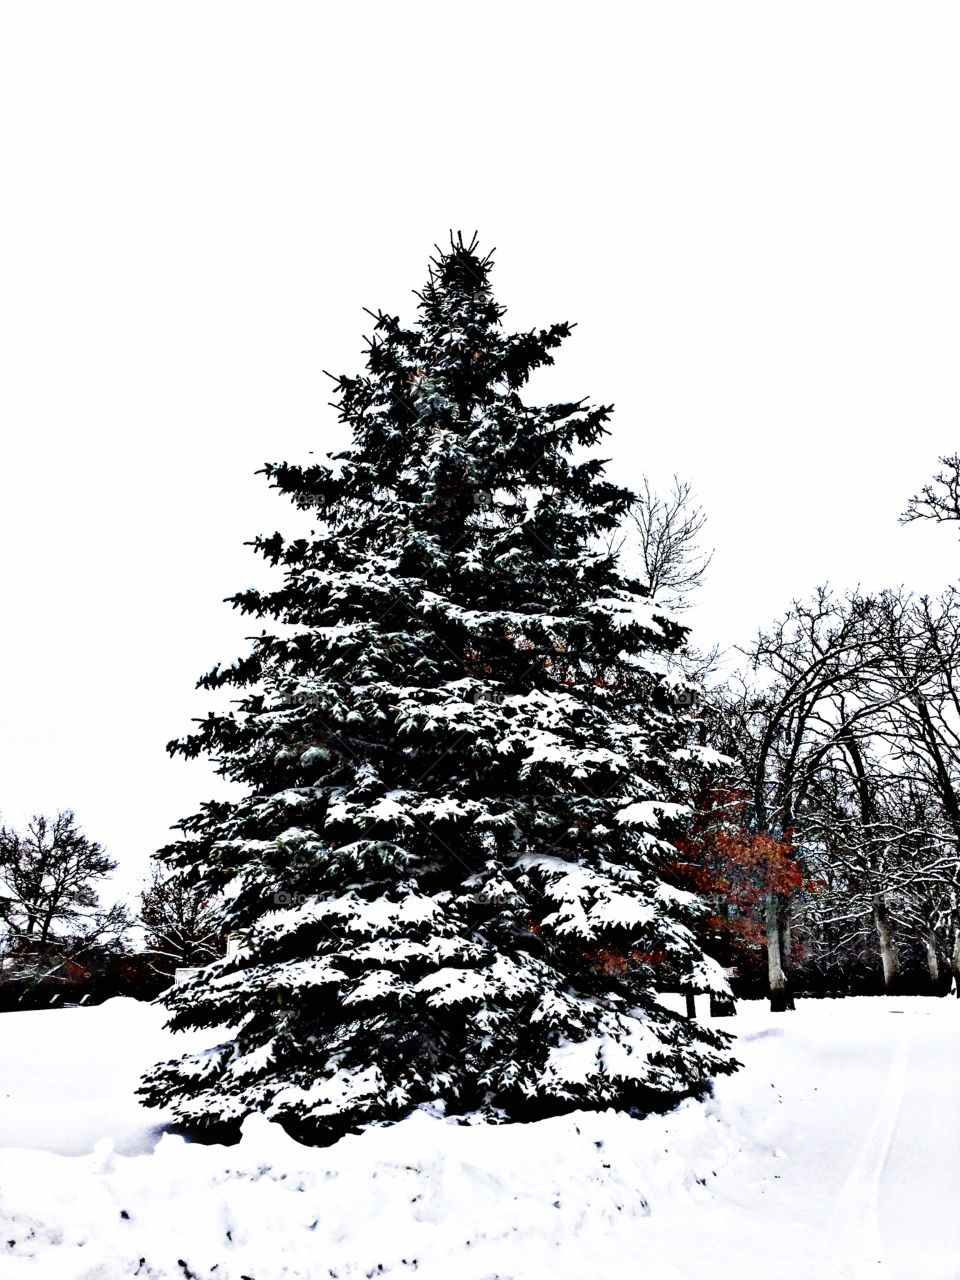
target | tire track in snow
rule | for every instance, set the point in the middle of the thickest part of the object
(854, 1241)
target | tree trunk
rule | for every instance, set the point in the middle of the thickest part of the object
(691, 1004)
(780, 997)
(930, 950)
(889, 955)
(786, 936)
(955, 960)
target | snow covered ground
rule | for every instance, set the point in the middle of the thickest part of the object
(834, 1153)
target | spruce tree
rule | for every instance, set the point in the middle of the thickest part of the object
(459, 755)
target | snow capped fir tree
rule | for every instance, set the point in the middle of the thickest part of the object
(460, 758)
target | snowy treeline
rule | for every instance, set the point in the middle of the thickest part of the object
(848, 725)
(829, 845)
(62, 939)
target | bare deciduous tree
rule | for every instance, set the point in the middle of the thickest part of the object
(49, 881)
(940, 499)
(860, 754)
(665, 533)
(812, 666)
(181, 922)
(49, 874)
(918, 718)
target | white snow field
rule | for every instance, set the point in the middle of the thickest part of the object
(834, 1153)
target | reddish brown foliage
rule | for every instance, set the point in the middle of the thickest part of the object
(734, 869)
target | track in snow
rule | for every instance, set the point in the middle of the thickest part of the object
(854, 1240)
(866, 1110)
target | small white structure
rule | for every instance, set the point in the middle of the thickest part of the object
(185, 973)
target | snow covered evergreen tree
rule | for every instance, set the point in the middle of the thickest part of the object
(459, 751)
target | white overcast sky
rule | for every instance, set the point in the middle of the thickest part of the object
(752, 211)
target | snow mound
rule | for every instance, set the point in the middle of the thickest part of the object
(427, 1198)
